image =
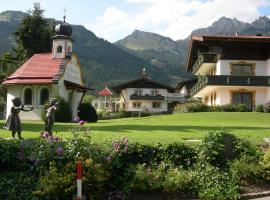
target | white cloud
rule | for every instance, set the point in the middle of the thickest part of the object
(172, 18)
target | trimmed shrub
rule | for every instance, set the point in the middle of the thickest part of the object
(87, 112)
(217, 148)
(63, 112)
(229, 108)
(191, 107)
(241, 108)
(259, 108)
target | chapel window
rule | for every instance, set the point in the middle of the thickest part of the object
(28, 96)
(44, 96)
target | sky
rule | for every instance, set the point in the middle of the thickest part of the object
(115, 19)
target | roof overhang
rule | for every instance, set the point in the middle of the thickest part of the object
(75, 86)
(203, 42)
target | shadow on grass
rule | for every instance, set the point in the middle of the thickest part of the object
(36, 127)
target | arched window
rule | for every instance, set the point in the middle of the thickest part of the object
(44, 96)
(28, 95)
(59, 49)
(69, 49)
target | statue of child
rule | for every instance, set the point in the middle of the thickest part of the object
(49, 121)
(13, 123)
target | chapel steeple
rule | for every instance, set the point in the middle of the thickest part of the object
(62, 41)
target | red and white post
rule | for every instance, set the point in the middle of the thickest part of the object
(79, 180)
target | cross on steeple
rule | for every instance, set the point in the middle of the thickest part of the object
(65, 11)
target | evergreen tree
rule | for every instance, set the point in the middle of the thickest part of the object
(34, 33)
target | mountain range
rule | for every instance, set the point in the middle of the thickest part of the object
(108, 64)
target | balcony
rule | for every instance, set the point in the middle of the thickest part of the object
(175, 97)
(263, 81)
(207, 59)
(146, 97)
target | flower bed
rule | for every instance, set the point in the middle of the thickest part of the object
(44, 168)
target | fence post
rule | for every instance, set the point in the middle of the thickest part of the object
(79, 180)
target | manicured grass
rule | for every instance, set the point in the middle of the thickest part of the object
(164, 129)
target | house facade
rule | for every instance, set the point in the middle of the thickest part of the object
(47, 75)
(230, 69)
(106, 101)
(145, 95)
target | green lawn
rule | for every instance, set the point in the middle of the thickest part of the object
(165, 129)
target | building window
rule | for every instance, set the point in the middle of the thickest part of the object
(156, 105)
(59, 49)
(242, 69)
(28, 96)
(243, 98)
(154, 92)
(138, 92)
(44, 96)
(136, 104)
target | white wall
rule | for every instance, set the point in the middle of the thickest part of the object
(18, 91)
(261, 69)
(146, 105)
(223, 94)
(183, 91)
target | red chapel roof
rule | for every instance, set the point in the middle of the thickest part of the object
(39, 69)
(105, 92)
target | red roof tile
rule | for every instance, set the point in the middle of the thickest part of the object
(39, 69)
(105, 92)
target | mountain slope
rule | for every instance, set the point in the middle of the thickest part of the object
(161, 51)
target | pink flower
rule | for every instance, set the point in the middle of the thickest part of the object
(116, 147)
(76, 119)
(81, 122)
(45, 134)
(60, 151)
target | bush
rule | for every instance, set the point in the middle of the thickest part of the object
(17, 185)
(87, 112)
(191, 107)
(214, 184)
(259, 108)
(247, 168)
(241, 108)
(177, 180)
(217, 148)
(63, 112)
(267, 107)
(229, 108)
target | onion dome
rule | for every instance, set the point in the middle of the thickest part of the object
(63, 29)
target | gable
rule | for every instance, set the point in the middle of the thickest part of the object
(73, 71)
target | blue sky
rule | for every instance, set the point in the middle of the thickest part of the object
(114, 19)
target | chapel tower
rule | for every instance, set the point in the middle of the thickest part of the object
(62, 41)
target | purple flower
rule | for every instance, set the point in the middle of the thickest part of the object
(81, 122)
(45, 134)
(51, 138)
(60, 151)
(56, 139)
(76, 119)
(109, 158)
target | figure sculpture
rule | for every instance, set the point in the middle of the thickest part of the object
(13, 123)
(50, 118)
